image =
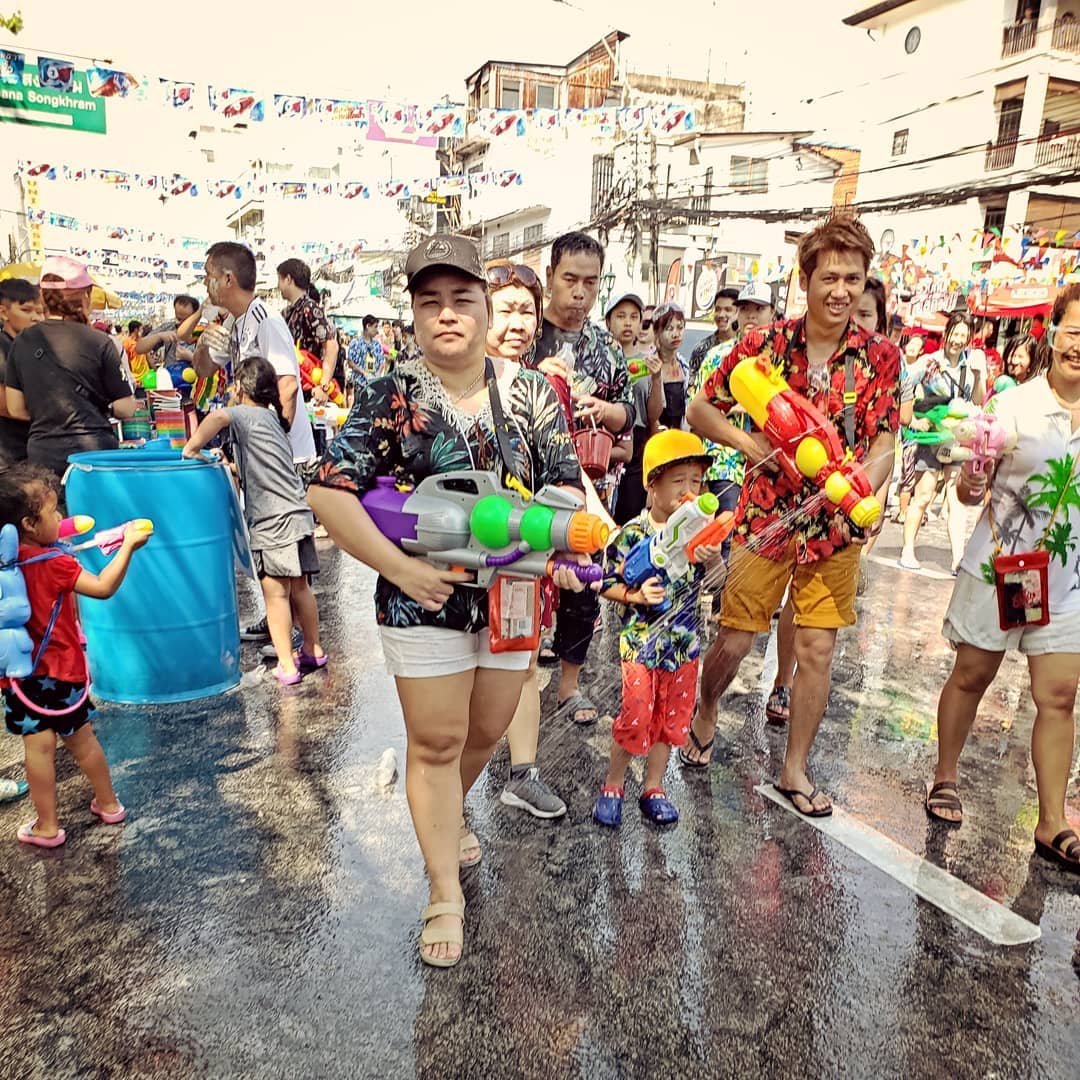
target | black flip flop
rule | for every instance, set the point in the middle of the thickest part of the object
(791, 793)
(942, 800)
(702, 748)
(1069, 858)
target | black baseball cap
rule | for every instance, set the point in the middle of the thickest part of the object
(444, 252)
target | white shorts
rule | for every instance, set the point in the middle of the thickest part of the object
(427, 652)
(972, 619)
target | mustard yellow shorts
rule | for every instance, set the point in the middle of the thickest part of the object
(822, 592)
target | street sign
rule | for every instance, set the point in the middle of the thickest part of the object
(76, 110)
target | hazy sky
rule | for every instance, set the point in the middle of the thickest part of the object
(785, 49)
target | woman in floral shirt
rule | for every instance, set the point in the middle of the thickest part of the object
(434, 416)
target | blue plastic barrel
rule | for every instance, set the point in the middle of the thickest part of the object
(171, 632)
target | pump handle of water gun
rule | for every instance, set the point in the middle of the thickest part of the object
(587, 574)
(712, 535)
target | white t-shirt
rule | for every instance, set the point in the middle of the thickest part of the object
(1027, 485)
(262, 332)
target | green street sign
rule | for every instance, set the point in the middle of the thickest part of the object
(30, 104)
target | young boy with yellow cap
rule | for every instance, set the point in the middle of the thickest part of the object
(658, 651)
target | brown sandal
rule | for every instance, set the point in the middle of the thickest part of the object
(1068, 856)
(938, 798)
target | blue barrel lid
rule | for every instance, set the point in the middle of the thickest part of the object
(155, 454)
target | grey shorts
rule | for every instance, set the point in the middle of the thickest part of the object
(297, 559)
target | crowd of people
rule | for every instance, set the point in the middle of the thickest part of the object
(505, 372)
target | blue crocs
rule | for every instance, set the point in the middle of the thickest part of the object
(607, 810)
(658, 808)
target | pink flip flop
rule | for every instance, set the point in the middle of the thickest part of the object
(26, 835)
(287, 679)
(110, 819)
(312, 663)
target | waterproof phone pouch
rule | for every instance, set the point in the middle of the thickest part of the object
(514, 614)
(1022, 587)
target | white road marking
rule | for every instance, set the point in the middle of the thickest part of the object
(995, 922)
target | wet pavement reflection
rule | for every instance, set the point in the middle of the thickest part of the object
(258, 913)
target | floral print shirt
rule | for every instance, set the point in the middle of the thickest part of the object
(658, 640)
(727, 464)
(405, 426)
(768, 499)
(599, 365)
(308, 325)
(365, 354)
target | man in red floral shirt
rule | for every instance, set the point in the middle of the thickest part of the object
(778, 541)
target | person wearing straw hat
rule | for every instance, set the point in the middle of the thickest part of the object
(786, 534)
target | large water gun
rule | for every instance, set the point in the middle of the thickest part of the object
(311, 374)
(943, 420)
(981, 439)
(638, 369)
(807, 446)
(467, 520)
(669, 552)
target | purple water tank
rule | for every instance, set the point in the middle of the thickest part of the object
(384, 505)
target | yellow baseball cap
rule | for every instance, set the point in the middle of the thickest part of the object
(671, 447)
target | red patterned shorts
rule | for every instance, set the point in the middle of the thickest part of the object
(657, 706)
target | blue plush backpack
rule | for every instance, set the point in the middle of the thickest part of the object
(17, 657)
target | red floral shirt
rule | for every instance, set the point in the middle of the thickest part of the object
(769, 497)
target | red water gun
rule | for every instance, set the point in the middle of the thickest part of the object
(311, 374)
(807, 446)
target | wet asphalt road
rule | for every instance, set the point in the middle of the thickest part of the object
(257, 915)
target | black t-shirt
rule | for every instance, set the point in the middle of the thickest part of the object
(13, 433)
(69, 374)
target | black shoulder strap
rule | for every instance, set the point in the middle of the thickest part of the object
(498, 419)
(849, 399)
(45, 349)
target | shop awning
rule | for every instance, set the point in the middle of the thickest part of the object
(1014, 301)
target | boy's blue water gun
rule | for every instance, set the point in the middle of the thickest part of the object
(669, 553)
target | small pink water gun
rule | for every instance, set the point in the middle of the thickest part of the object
(982, 439)
(109, 540)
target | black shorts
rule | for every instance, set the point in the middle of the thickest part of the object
(49, 693)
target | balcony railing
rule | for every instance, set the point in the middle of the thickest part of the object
(1018, 38)
(1061, 151)
(1000, 155)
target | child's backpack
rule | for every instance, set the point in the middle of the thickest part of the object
(17, 657)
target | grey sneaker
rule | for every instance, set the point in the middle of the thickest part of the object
(528, 792)
(268, 652)
(257, 631)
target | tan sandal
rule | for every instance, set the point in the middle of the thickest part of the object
(445, 936)
(469, 840)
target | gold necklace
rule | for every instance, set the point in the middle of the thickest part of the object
(456, 399)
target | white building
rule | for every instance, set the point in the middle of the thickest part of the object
(978, 119)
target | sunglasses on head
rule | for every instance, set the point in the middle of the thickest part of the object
(510, 273)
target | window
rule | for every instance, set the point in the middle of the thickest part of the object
(994, 218)
(534, 234)
(913, 40)
(899, 142)
(545, 96)
(750, 174)
(703, 201)
(510, 94)
(500, 245)
(603, 174)
(485, 94)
